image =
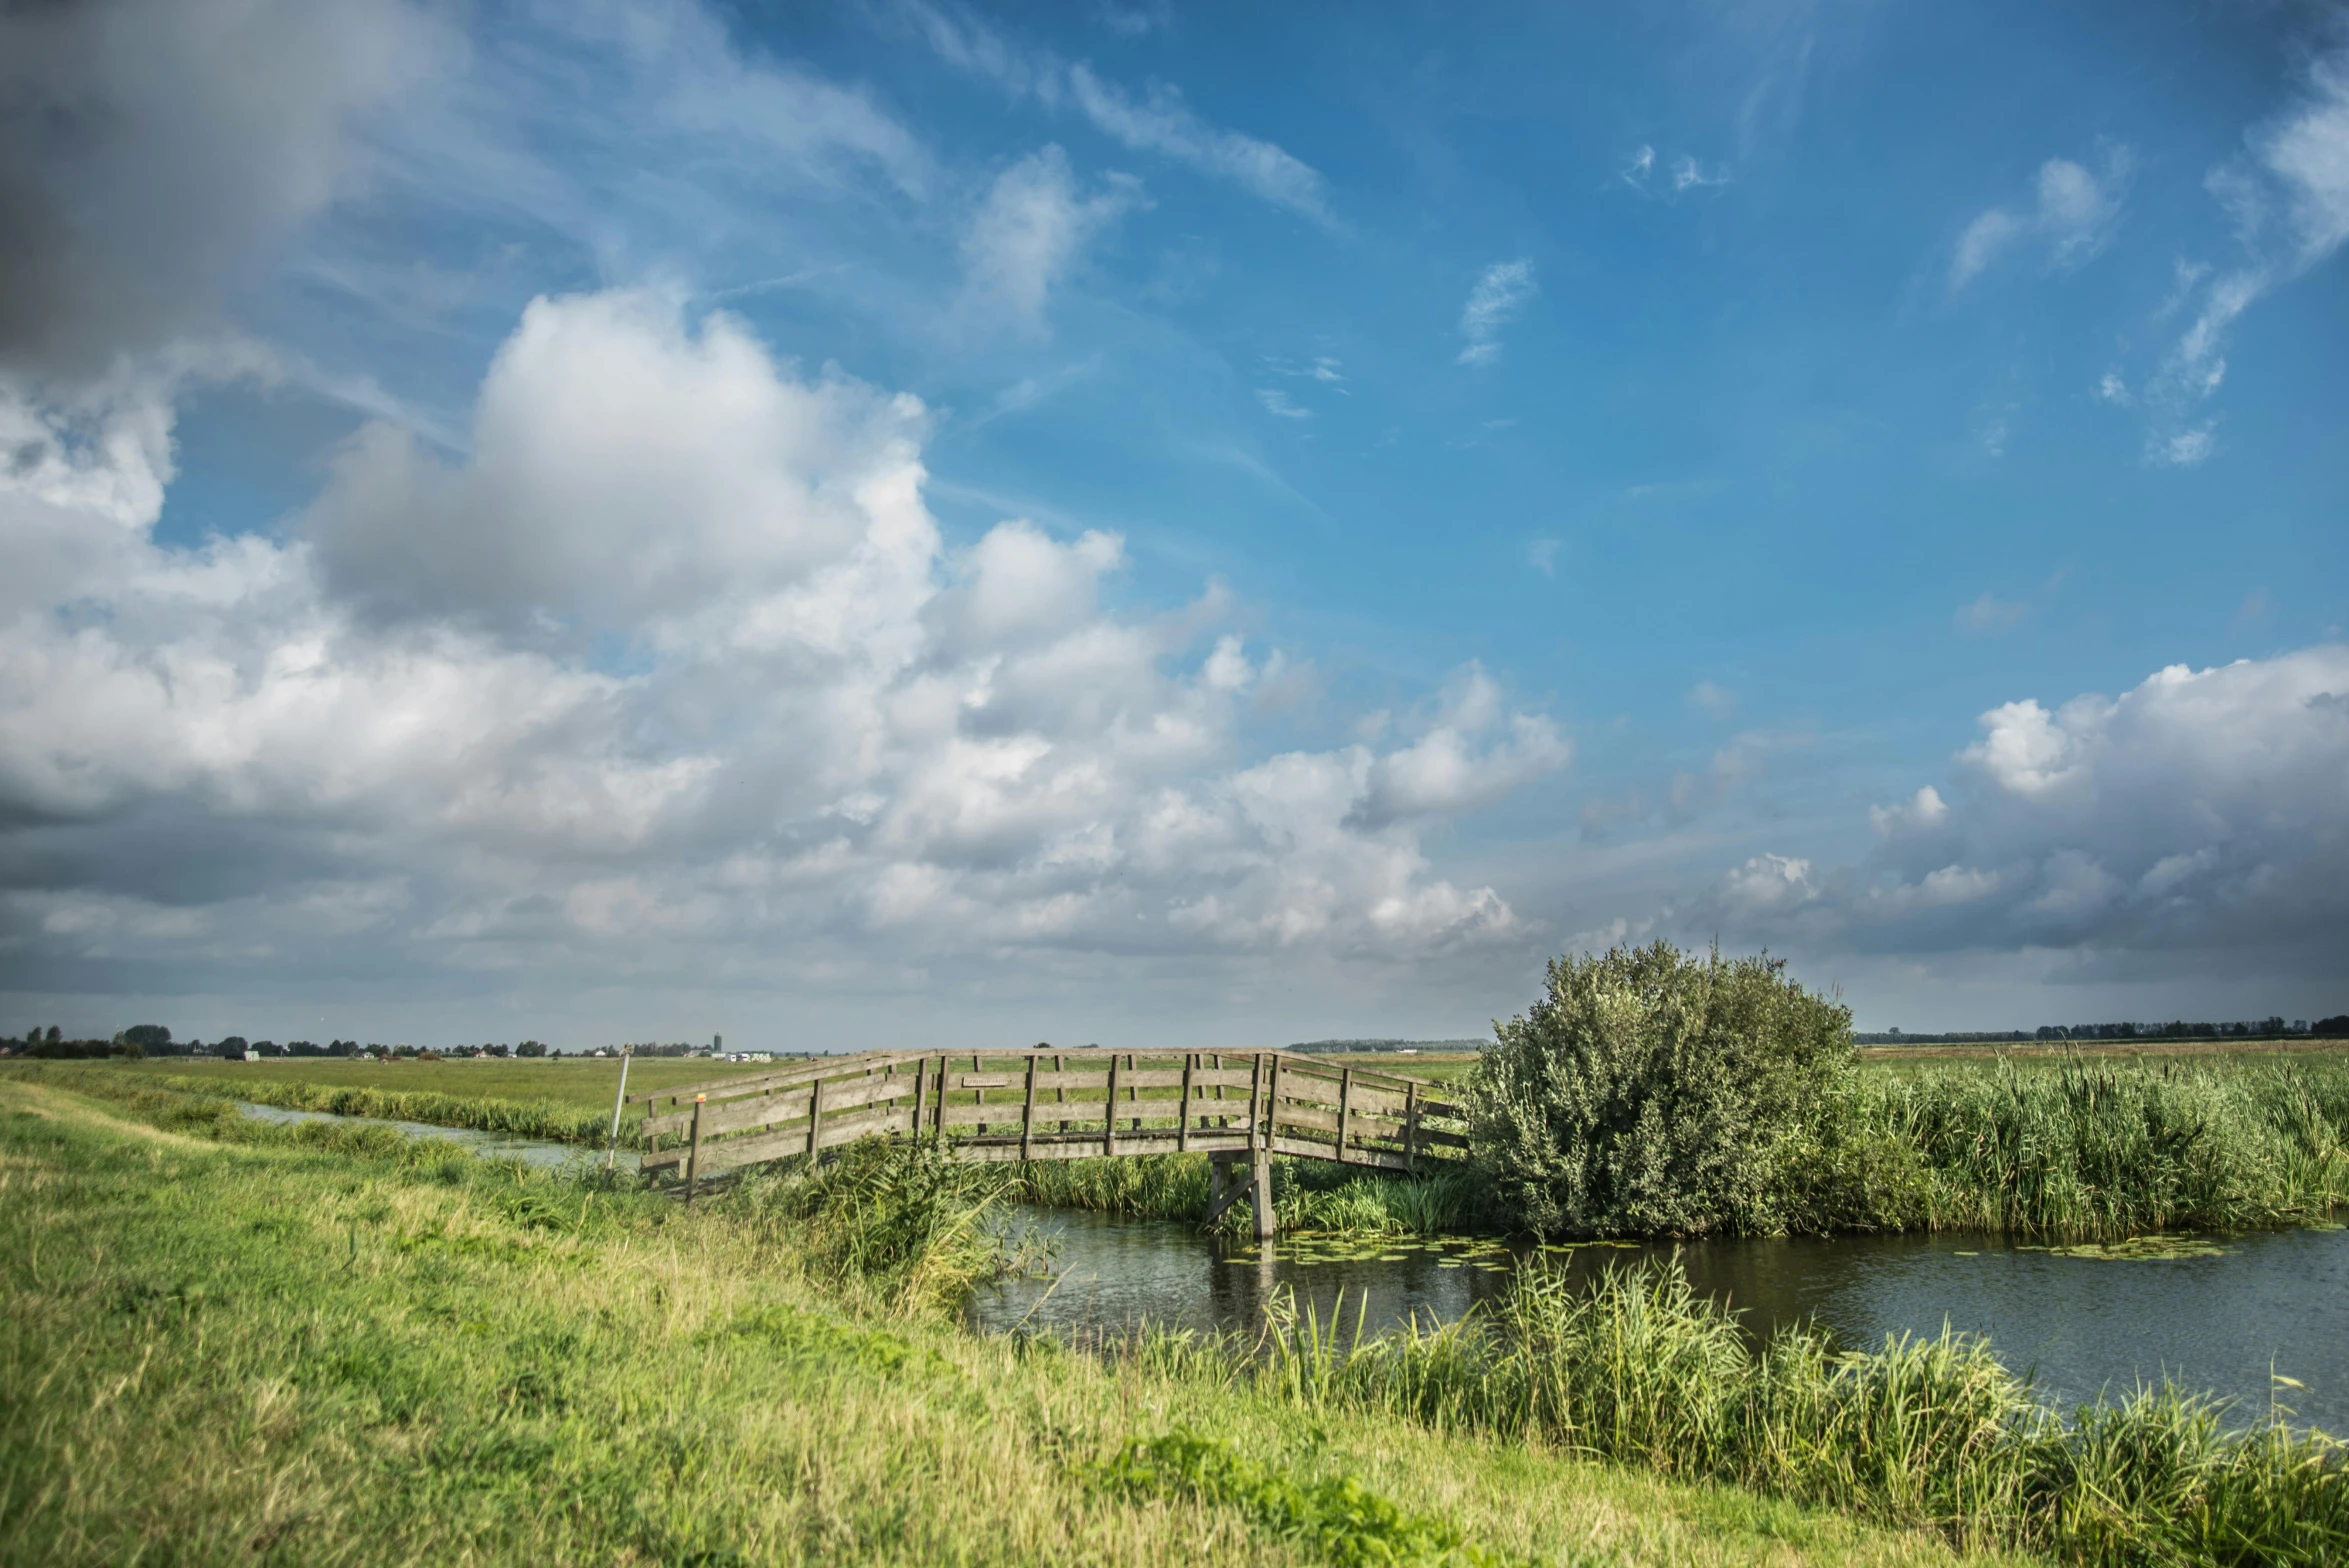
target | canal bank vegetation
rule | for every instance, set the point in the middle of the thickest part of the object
(321, 1344)
(1930, 1433)
(1653, 1092)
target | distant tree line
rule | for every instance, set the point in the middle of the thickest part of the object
(2335, 1028)
(140, 1040)
(1360, 1047)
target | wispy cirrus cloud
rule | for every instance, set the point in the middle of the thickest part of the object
(1677, 177)
(2070, 219)
(1501, 291)
(2289, 205)
(1031, 228)
(1157, 119)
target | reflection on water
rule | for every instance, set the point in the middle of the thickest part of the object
(489, 1145)
(2217, 1319)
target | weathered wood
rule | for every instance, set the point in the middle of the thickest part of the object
(1295, 1107)
(723, 1116)
(1109, 1120)
(1028, 1113)
(1183, 1127)
(1345, 1109)
(1260, 1199)
(1255, 1099)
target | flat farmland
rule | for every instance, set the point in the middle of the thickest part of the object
(565, 1080)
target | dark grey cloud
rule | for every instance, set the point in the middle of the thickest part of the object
(2195, 817)
(154, 152)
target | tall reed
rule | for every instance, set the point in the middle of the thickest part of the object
(2087, 1150)
(1934, 1432)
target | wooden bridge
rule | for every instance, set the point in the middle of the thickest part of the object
(1063, 1105)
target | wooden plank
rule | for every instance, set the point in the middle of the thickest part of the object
(1079, 1146)
(718, 1119)
(1376, 1159)
(1307, 1086)
(730, 1115)
(752, 1083)
(983, 1081)
(738, 1153)
(864, 1124)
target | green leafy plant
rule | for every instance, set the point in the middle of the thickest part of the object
(1656, 1092)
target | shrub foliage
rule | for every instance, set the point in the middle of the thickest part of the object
(1656, 1092)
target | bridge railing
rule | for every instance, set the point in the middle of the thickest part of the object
(1057, 1105)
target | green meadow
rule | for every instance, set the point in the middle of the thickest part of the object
(225, 1342)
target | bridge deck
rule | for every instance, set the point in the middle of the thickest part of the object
(1059, 1105)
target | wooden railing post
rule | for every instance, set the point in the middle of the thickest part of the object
(1028, 1116)
(1255, 1098)
(693, 1155)
(1345, 1107)
(913, 1123)
(1109, 1109)
(815, 1115)
(1260, 1174)
(942, 1081)
(1183, 1126)
(1411, 1127)
(1272, 1102)
(980, 1094)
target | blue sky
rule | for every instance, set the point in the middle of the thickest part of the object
(1173, 524)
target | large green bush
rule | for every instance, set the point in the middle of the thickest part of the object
(1657, 1092)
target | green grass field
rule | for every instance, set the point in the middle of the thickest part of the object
(562, 1079)
(318, 1346)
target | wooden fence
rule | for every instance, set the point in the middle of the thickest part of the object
(1060, 1105)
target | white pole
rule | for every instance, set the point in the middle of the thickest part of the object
(619, 1098)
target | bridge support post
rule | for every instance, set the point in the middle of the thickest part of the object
(1260, 1194)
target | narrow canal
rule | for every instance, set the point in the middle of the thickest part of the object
(2221, 1315)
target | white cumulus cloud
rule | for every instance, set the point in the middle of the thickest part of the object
(672, 674)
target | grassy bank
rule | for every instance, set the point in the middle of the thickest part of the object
(320, 1345)
(1932, 1433)
(584, 1084)
(457, 1104)
(2069, 1150)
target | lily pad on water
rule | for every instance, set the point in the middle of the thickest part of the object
(2140, 1247)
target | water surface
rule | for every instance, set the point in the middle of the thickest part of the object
(2082, 1326)
(489, 1145)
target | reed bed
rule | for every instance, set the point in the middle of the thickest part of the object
(2087, 1151)
(1930, 1433)
(1307, 1195)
